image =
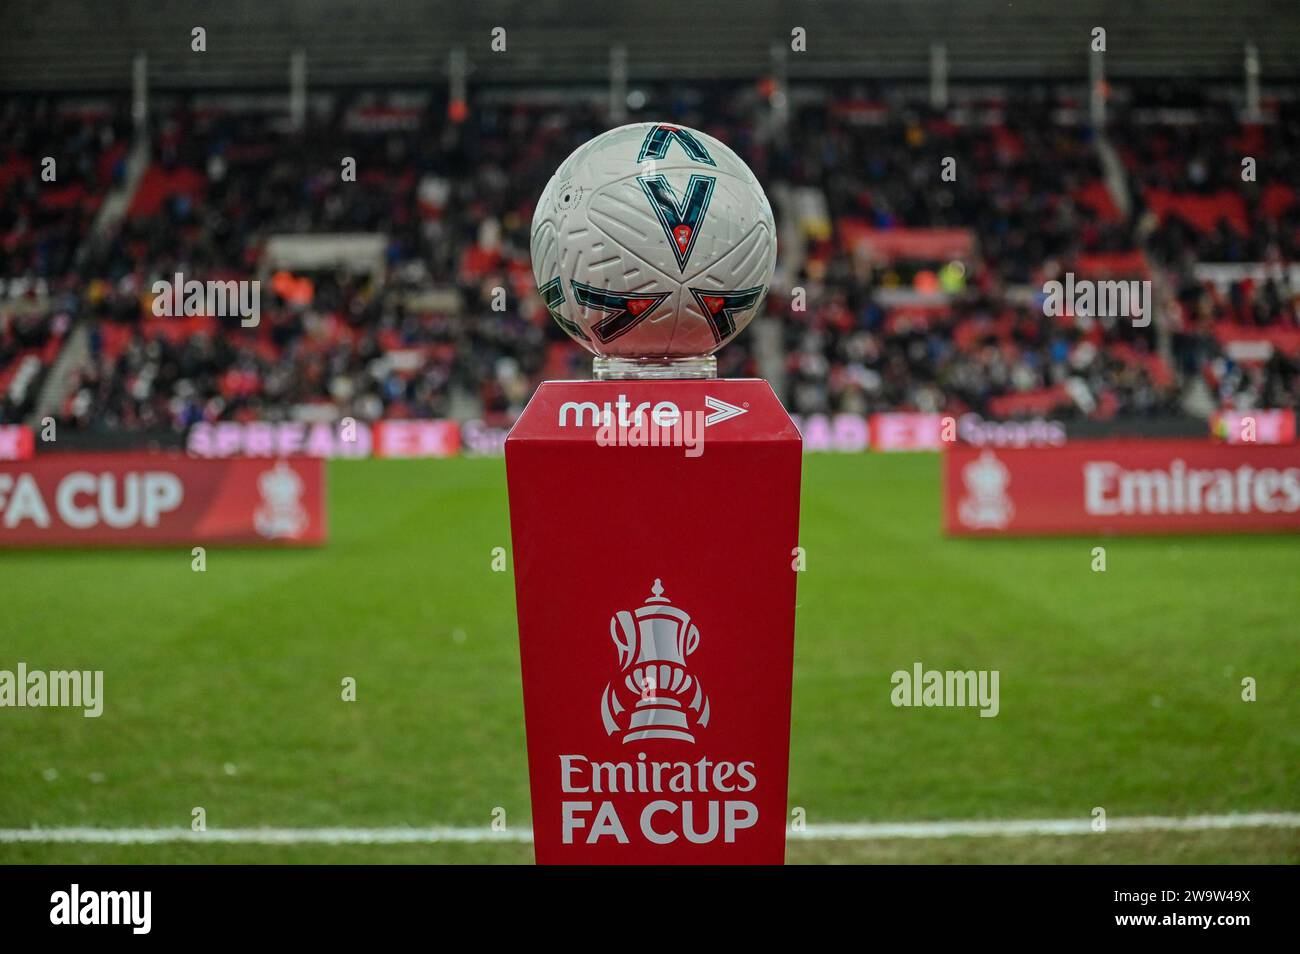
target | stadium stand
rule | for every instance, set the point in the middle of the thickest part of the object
(899, 288)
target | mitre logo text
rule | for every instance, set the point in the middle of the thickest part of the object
(1111, 490)
(621, 423)
(620, 413)
(662, 821)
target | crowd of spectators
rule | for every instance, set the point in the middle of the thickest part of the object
(58, 161)
(428, 335)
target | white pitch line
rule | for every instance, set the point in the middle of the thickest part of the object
(263, 836)
(851, 831)
(869, 831)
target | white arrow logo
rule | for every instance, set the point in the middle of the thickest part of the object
(722, 411)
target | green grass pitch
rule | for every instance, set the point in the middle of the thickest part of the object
(1119, 690)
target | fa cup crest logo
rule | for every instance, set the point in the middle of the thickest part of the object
(986, 503)
(665, 700)
(280, 514)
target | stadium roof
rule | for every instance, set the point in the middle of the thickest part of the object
(89, 44)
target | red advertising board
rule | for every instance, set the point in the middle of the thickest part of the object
(347, 438)
(16, 442)
(907, 430)
(911, 431)
(1130, 486)
(655, 585)
(1254, 427)
(932, 245)
(416, 439)
(147, 499)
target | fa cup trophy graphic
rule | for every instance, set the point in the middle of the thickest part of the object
(653, 643)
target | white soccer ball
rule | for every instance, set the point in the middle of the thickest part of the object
(653, 241)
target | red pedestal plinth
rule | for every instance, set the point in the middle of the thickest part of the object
(654, 526)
